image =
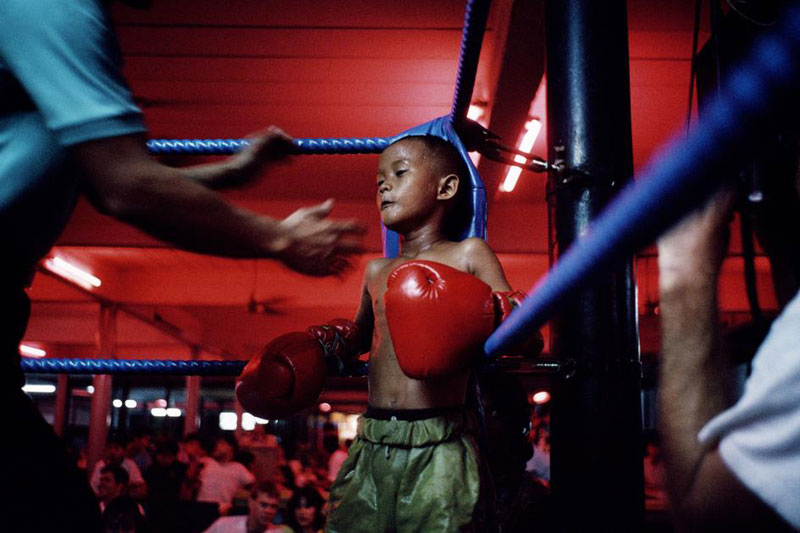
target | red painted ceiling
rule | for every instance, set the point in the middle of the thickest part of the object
(349, 68)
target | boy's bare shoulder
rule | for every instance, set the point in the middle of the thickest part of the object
(375, 266)
(475, 247)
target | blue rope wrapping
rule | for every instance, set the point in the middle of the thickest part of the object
(760, 92)
(475, 16)
(149, 366)
(196, 146)
(367, 145)
(202, 368)
(133, 366)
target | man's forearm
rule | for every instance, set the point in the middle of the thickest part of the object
(124, 182)
(694, 384)
(185, 213)
(220, 175)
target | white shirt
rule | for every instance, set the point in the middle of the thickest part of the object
(219, 482)
(759, 437)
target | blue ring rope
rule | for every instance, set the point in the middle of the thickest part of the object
(367, 145)
(475, 16)
(133, 366)
(190, 368)
(685, 173)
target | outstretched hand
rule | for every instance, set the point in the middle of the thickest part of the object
(315, 245)
(265, 146)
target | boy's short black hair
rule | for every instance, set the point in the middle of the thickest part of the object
(449, 161)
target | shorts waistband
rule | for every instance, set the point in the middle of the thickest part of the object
(409, 415)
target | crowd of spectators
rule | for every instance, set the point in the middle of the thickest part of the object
(221, 484)
(215, 483)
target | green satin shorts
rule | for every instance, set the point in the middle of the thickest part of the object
(406, 476)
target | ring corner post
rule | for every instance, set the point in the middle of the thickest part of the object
(596, 422)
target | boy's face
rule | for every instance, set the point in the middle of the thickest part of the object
(408, 185)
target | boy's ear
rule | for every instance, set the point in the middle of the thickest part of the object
(448, 187)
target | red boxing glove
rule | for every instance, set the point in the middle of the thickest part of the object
(504, 303)
(438, 318)
(286, 377)
(338, 339)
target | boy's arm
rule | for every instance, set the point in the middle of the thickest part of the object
(484, 265)
(289, 373)
(365, 319)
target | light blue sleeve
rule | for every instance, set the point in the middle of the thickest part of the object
(66, 56)
(759, 436)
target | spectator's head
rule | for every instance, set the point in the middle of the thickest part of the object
(196, 446)
(142, 436)
(166, 452)
(507, 414)
(113, 482)
(115, 451)
(123, 515)
(263, 504)
(304, 510)
(225, 448)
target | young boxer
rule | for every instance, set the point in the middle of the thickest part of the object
(423, 317)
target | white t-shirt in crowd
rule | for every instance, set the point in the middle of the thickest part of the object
(220, 481)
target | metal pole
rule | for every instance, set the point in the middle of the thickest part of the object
(239, 410)
(101, 399)
(190, 423)
(596, 418)
(62, 395)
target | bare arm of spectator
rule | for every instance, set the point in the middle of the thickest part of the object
(695, 377)
(94, 479)
(137, 488)
(246, 477)
(177, 205)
